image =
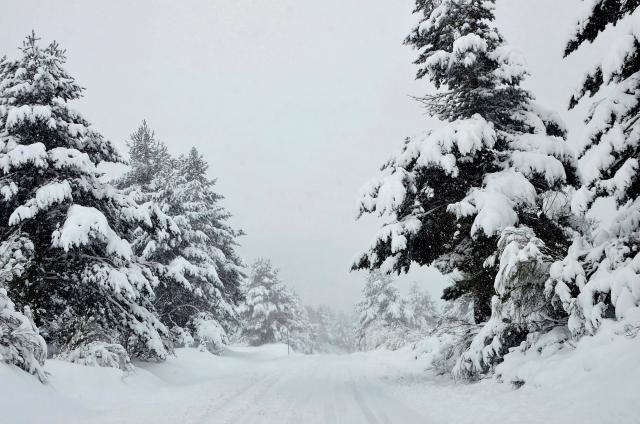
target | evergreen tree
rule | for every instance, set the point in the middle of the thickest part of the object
(344, 332)
(600, 277)
(494, 162)
(79, 275)
(271, 312)
(381, 311)
(190, 247)
(497, 162)
(331, 332)
(20, 340)
(201, 205)
(520, 308)
(420, 309)
(149, 158)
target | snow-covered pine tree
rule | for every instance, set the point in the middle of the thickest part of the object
(420, 310)
(496, 161)
(190, 247)
(20, 340)
(202, 205)
(600, 277)
(332, 331)
(446, 196)
(381, 312)
(149, 159)
(344, 331)
(271, 312)
(301, 337)
(80, 277)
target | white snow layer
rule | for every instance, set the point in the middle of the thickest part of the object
(86, 223)
(265, 385)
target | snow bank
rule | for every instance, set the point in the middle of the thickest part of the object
(593, 382)
(81, 394)
(607, 360)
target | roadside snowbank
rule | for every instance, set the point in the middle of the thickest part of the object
(595, 380)
(82, 394)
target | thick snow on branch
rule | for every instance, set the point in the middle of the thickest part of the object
(622, 49)
(535, 163)
(63, 157)
(438, 149)
(14, 155)
(28, 113)
(512, 64)
(47, 195)
(86, 223)
(494, 205)
(614, 271)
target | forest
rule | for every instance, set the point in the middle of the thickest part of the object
(127, 295)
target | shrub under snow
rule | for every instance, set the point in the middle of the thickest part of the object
(99, 354)
(20, 341)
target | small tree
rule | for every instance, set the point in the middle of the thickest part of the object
(381, 311)
(149, 159)
(420, 310)
(271, 312)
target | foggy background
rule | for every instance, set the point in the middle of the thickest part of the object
(294, 103)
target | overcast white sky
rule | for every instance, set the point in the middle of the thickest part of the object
(295, 103)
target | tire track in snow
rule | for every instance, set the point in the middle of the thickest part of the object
(212, 411)
(385, 405)
(296, 416)
(254, 410)
(329, 406)
(366, 411)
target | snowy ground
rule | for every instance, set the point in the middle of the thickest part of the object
(264, 385)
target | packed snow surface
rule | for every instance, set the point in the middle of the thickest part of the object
(265, 385)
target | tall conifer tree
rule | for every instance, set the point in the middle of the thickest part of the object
(495, 163)
(80, 277)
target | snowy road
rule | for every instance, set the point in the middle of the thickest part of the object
(265, 385)
(243, 386)
(273, 388)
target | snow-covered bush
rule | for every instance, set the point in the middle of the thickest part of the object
(182, 337)
(20, 341)
(449, 337)
(535, 348)
(99, 354)
(442, 349)
(208, 333)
